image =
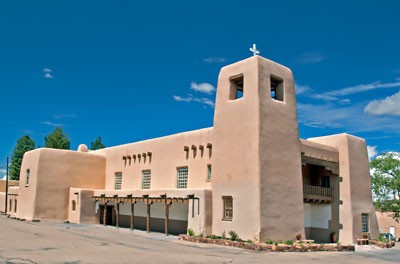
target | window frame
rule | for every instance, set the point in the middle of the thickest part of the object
(209, 172)
(365, 222)
(116, 175)
(179, 180)
(27, 177)
(227, 213)
(148, 177)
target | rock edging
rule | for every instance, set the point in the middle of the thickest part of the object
(296, 247)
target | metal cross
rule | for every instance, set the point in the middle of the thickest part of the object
(254, 50)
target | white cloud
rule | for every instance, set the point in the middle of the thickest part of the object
(363, 88)
(49, 123)
(47, 73)
(302, 89)
(190, 98)
(388, 106)
(202, 87)
(372, 151)
(214, 60)
(59, 116)
(3, 173)
(311, 58)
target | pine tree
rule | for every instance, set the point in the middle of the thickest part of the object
(57, 139)
(23, 145)
(97, 144)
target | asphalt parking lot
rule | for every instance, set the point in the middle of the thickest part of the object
(54, 242)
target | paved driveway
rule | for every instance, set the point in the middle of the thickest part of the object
(51, 242)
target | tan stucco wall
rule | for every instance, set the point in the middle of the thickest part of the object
(2, 192)
(355, 187)
(10, 183)
(257, 154)
(385, 222)
(85, 206)
(52, 173)
(167, 154)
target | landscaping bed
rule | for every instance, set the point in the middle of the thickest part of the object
(297, 246)
(382, 244)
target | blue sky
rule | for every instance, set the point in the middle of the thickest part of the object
(128, 71)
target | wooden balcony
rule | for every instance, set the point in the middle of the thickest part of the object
(317, 194)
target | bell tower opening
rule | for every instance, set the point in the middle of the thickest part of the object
(237, 87)
(276, 89)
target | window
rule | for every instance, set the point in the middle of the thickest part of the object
(146, 179)
(182, 177)
(209, 172)
(237, 88)
(365, 222)
(325, 182)
(118, 181)
(276, 90)
(28, 175)
(73, 205)
(228, 208)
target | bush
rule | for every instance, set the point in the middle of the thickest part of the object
(270, 242)
(190, 232)
(383, 239)
(214, 237)
(233, 235)
(223, 235)
(289, 242)
(249, 241)
(298, 236)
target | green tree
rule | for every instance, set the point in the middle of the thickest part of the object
(57, 139)
(385, 170)
(23, 145)
(97, 144)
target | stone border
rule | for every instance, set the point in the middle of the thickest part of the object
(296, 247)
(380, 244)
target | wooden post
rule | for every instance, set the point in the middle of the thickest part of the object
(148, 217)
(117, 209)
(166, 217)
(133, 215)
(105, 213)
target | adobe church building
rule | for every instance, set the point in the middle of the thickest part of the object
(249, 173)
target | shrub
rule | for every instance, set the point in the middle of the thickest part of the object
(383, 239)
(233, 235)
(289, 242)
(298, 236)
(190, 232)
(249, 241)
(223, 235)
(270, 242)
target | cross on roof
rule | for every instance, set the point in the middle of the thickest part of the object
(254, 50)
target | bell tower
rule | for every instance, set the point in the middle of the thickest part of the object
(257, 161)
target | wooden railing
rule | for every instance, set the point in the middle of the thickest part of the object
(316, 190)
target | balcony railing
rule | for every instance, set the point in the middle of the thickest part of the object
(317, 194)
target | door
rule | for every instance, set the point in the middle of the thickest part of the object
(392, 230)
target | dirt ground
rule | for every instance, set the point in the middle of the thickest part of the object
(54, 242)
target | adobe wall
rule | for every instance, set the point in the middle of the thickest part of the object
(52, 173)
(167, 154)
(281, 189)
(236, 152)
(257, 154)
(355, 188)
(385, 222)
(10, 183)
